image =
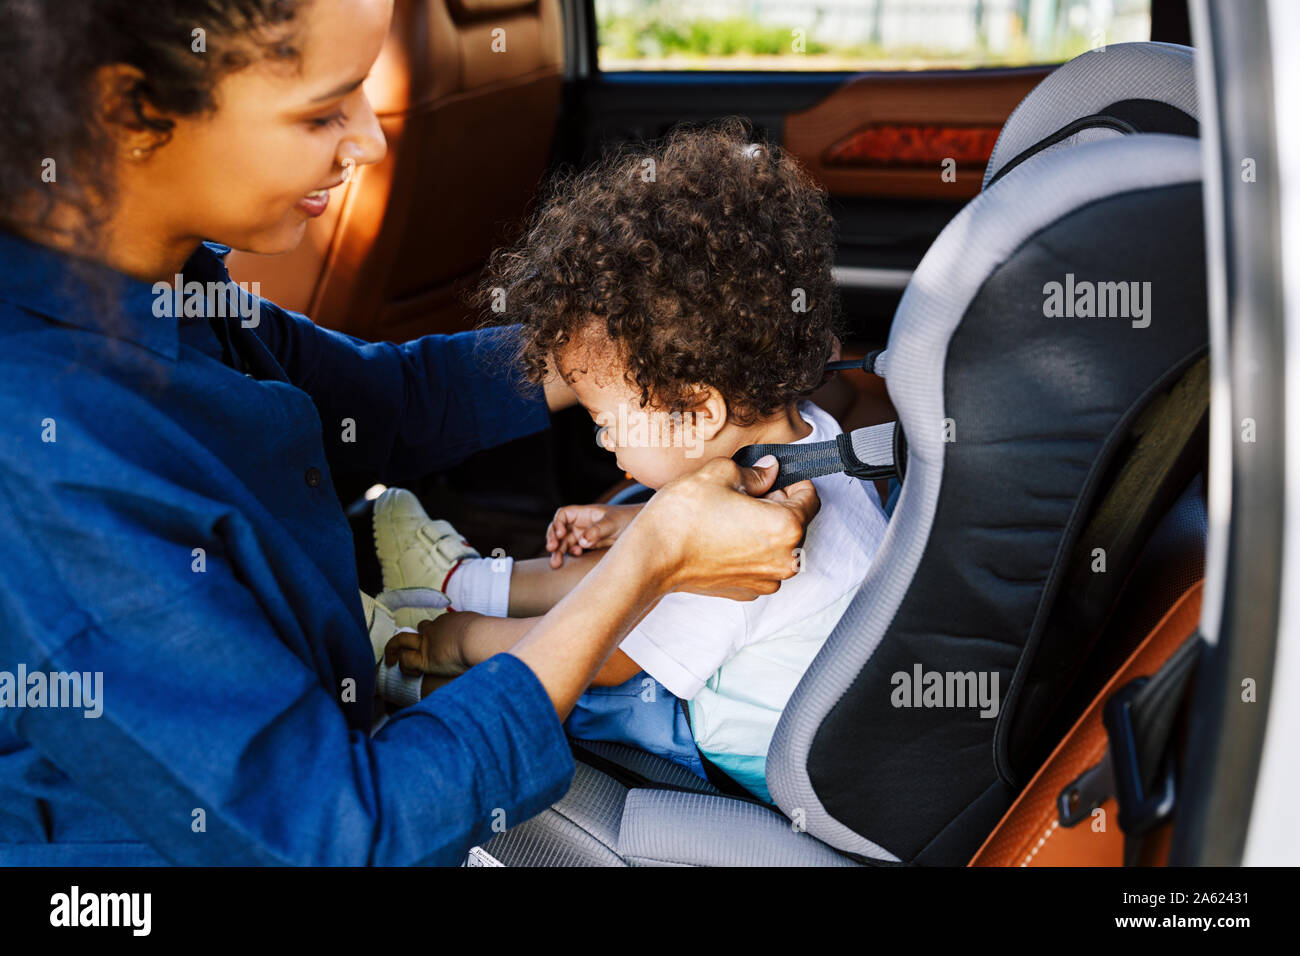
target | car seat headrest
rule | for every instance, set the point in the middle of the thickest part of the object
(1107, 92)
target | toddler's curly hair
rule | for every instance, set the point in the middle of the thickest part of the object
(705, 260)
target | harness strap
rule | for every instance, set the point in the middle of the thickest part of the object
(870, 453)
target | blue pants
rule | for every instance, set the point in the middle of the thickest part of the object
(640, 713)
(895, 486)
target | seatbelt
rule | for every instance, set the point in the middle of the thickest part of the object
(715, 774)
(635, 780)
(1139, 724)
(871, 453)
(1117, 756)
(1137, 770)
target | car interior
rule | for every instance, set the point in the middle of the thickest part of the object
(1057, 558)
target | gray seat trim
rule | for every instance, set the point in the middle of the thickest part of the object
(580, 829)
(672, 828)
(1090, 82)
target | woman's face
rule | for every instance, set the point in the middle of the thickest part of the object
(252, 174)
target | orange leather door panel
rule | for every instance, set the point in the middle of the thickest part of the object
(885, 134)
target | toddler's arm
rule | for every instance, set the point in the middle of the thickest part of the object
(453, 643)
(535, 586)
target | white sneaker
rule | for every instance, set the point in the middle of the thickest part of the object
(383, 623)
(389, 612)
(380, 623)
(414, 550)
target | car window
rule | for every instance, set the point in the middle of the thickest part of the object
(858, 35)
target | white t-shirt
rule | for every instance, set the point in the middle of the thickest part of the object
(738, 662)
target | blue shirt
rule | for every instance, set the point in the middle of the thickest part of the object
(169, 521)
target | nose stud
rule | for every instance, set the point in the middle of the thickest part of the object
(349, 165)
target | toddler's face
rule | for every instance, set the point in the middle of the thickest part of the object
(651, 445)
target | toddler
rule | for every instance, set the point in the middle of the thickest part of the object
(686, 296)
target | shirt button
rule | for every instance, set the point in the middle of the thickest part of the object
(313, 477)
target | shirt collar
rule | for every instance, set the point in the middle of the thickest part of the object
(91, 296)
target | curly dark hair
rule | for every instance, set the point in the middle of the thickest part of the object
(706, 260)
(50, 53)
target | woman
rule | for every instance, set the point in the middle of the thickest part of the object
(168, 529)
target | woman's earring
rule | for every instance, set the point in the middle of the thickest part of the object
(349, 166)
(137, 153)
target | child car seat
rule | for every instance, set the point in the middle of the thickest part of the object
(1047, 365)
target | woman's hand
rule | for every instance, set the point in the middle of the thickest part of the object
(705, 533)
(576, 528)
(710, 533)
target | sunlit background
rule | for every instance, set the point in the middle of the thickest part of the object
(858, 34)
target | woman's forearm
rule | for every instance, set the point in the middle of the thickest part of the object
(567, 648)
(536, 587)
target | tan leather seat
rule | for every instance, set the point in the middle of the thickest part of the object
(469, 133)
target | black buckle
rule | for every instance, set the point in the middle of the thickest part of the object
(1139, 811)
(1085, 793)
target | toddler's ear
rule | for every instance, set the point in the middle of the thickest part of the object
(709, 413)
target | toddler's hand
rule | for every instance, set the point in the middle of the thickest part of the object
(576, 528)
(434, 650)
